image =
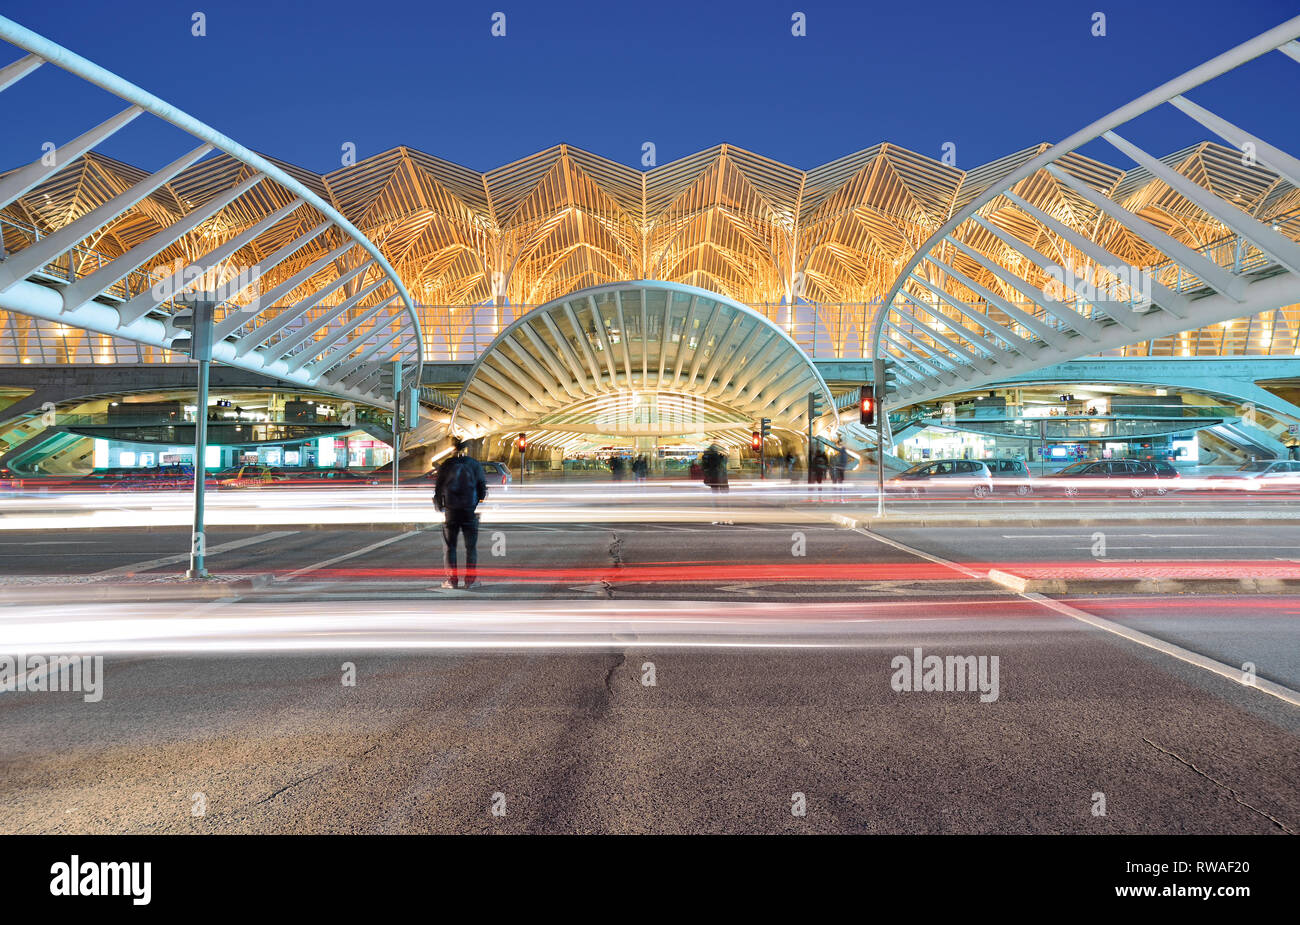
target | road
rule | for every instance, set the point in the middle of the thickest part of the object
(772, 645)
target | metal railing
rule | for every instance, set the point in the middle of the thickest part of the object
(1086, 427)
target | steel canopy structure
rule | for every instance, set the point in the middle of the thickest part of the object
(583, 359)
(1053, 261)
(304, 296)
(407, 256)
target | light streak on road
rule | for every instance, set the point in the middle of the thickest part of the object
(134, 628)
(661, 502)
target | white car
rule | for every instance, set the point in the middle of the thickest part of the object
(1253, 476)
(945, 475)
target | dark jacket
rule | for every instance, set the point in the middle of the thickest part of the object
(445, 496)
(820, 465)
(714, 465)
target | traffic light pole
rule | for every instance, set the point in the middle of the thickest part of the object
(878, 387)
(397, 425)
(201, 350)
(812, 408)
(397, 448)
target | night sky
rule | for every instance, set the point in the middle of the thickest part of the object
(299, 80)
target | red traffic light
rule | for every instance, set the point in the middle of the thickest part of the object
(756, 441)
(866, 407)
(521, 443)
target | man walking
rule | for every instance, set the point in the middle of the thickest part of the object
(714, 464)
(820, 466)
(461, 485)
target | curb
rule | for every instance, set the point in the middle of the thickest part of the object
(1025, 585)
(1022, 585)
(1196, 520)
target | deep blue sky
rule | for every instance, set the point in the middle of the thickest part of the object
(298, 79)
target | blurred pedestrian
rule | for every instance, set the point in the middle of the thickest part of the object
(616, 467)
(461, 485)
(820, 467)
(840, 462)
(714, 465)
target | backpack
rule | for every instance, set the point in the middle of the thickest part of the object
(460, 491)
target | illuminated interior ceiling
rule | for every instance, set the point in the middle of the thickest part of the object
(575, 364)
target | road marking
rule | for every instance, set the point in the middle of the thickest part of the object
(1117, 629)
(1123, 536)
(347, 555)
(1168, 648)
(59, 543)
(903, 547)
(185, 556)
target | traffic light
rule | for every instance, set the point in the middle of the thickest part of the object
(756, 441)
(390, 381)
(765, 429)
(410, 408)
(521, 442)
(192, 321)
(866, 407)
(815, 406)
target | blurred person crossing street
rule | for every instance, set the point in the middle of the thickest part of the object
(461, 485)
(714, 465)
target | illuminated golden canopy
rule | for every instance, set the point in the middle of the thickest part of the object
(725, 219)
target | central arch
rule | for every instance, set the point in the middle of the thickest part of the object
(645, 356)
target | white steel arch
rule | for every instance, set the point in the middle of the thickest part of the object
(1041, 288)
(640, 336)
(321, 307)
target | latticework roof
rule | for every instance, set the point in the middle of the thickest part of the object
(724, 219)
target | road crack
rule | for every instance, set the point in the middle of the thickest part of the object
(615, 550)
(609, 675)
(1218, 783)
(317, 773)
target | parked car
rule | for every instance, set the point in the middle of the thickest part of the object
(1253, 476)
(1164, 468)
(945, 475)
(321, 478)
(1109, 476)
(160, 478)
(1011, 473)
(424, 478)
(498, 473)
(249, 477)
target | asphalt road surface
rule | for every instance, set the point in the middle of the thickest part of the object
(532, 693)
